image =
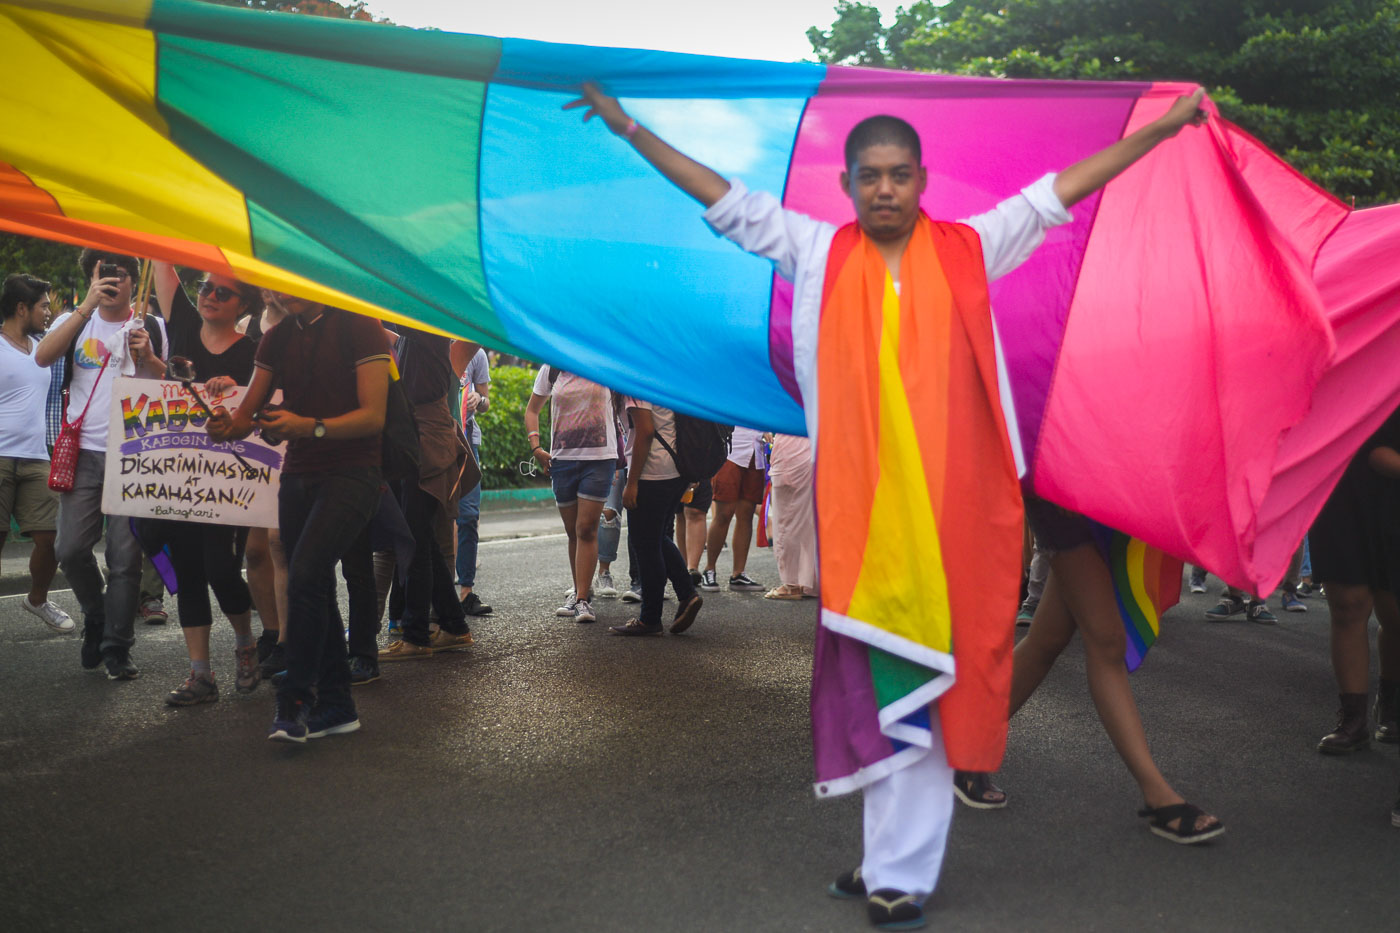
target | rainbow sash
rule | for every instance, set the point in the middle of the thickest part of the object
(1146, 583)
(918, 510)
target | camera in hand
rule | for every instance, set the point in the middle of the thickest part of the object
(109, 270)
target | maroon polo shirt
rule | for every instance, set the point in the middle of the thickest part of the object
(313, 363)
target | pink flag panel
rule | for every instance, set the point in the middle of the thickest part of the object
(1189, 354)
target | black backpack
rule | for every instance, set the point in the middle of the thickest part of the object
(701, 447)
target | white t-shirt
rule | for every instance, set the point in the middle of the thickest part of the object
(24, 392)
(478, 372)
(746, 448)
(88, 355)
(659, 463)
(581, 417)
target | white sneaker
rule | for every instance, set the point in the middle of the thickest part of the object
(605, 587)
(570, 607)
(52, 616)
(584, 612)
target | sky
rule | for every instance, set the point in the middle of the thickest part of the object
(768, 29)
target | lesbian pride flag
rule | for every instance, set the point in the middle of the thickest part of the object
(1162, 346)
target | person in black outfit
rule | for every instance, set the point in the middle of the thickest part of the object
(204, 555)
(333, 368)
(1355, 543)
(428, 378)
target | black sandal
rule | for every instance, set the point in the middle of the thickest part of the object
(1186, 815)
(975, 788)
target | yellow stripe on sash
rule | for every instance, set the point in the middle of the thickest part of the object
(901, 583)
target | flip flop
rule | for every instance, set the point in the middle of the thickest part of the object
(778, 592)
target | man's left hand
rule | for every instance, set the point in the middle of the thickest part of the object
(1187, 109)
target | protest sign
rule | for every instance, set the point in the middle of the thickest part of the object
(161, 463)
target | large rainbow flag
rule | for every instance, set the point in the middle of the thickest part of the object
(1164, 347)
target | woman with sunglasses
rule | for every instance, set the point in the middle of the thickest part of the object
(209, 556)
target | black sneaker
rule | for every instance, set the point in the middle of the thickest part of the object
(92, 646)
(274, 663)
(695, 578)
(119, 666)
(288, 722)
(331, 720)
(742, 581)
(708, 581)
(889, 909)
(363, 671)
(267, 641)
(473, 606)
(847, 886)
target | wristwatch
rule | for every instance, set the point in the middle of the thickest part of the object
(320, 429)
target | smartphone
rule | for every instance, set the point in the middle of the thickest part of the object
(109, 270)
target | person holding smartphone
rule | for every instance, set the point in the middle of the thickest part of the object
(81, 339)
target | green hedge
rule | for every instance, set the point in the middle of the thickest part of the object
(503, 443)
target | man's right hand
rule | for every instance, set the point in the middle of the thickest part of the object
(541, 455)
(601, 105)
(99, 288)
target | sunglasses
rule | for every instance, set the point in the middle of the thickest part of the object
(220, 292)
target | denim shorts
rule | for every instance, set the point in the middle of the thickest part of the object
(581, 479)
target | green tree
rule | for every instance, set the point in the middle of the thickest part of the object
(357, 9)
(55, 263)
(503, 443)
(1314, 79)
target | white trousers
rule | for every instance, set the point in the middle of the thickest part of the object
(907, 815)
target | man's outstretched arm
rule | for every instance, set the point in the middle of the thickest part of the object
(1083, 178)
(699, 181)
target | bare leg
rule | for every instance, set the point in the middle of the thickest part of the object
(1051, 630)
(1388, 638)
(719, 530)
(1088, 592)
(695, 535)
(42, 566)
(1350, 606)
(262, 578)
(585, 542)
(197, 642)
(569, 515)
(242, 623)
(743, 535)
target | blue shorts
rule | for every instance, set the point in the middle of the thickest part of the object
(581, 479)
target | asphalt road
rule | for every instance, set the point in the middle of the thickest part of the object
(557, 778)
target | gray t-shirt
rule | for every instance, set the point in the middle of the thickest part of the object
(478, 372)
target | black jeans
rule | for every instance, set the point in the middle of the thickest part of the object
(357, 568)
(320, 515)
(429, 578)
(205, 557)
(656, 556)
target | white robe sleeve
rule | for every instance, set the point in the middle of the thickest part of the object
(758, 223)
(1013, 229)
